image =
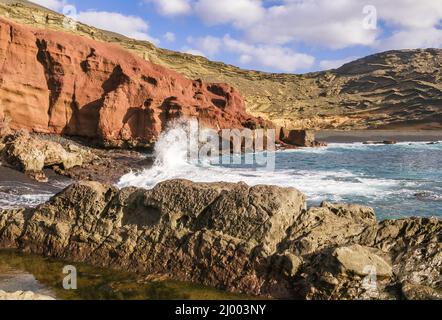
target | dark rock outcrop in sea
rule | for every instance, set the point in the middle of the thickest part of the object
(259, 240)
(300, 138)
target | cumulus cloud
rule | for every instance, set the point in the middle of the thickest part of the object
(56, 5)
(171, 7)
(241, 13)
(340, 24)
(169, 37)
(332, 24)
(249, 55)
(334, 64)
(328, 24)
(270, 57)
(208, 45)
(412, 38)
(130, 26)
(195, 52)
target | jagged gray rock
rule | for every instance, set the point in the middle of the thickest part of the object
(31, 154)
(257, 240)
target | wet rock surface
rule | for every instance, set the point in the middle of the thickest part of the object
(259, 240)
(23, 295)
(30, 154)
(33, 154)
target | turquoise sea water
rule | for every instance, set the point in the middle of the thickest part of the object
(397, 180)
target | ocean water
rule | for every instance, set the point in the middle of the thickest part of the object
(396, 180)
(17, 190)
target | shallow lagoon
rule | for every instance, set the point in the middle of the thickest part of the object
(25, 272)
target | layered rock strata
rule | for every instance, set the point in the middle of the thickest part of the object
(259, 240)
(54, 82)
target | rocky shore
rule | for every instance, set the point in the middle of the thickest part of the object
(32, 153)
(260, 240)
(81, 159)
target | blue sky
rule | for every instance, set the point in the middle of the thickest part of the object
(293, 36)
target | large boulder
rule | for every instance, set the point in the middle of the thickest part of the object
(258, 240)
(31, 154)
(177, 229)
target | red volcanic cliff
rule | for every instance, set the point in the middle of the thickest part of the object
(52, 82)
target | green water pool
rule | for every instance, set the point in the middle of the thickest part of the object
(19, 271)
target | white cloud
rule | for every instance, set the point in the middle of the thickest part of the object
(267, 57)
(270, 57)
(56, 5)
(412, 39)
(169, 37)
(339, 24)
(195, 52)
(130, 26)
(334, 64)
(245, 59)
(172, 7)
(208, 45)
(332, 24)
(241, 13)
(410, 13)
(329, 24)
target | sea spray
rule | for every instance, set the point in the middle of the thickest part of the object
(186, 150)
(396, 180)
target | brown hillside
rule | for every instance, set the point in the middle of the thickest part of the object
(393, 89)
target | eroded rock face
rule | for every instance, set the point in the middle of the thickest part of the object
(31, 154)
(52, 82)
(416, 247)
(257, 240)
(173, 229)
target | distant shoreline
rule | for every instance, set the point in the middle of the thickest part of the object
(341, 136)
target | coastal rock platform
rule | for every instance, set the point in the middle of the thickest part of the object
(257, 240)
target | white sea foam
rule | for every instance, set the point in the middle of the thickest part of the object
(15, 194)
(172, 162)
(11, 201)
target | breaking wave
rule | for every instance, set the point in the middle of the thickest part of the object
(172, 161)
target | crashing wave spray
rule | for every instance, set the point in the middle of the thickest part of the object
(173, 147)
(187, 151)
(175, 158)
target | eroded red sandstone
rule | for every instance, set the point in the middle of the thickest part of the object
(53, 82)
